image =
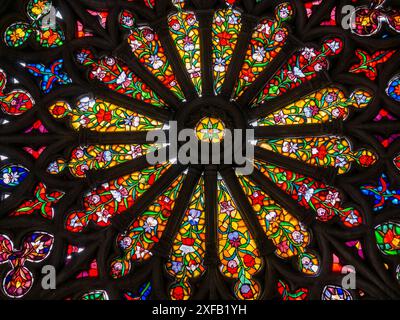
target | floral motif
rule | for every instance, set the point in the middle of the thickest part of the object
(35, 248)
(17, 101)
(303, 66)
(47, 34)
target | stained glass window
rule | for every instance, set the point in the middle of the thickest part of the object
(84, 83)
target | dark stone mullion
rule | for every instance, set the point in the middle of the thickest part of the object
(264, 245)
(307, 217)
(289, 131)
(211, 259)
(303, 90)
(87, 137)
(248, 24)
(211, 216)
(322, 174)
(125, 53)
(163, 247)
(173, 57)
(122, 221)
(205, 18)
(34, 139)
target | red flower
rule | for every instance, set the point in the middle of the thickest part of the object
(232, 267)
(166, 205)
(397, 90)
(321, 152)
(249, 260)
(188, 241)
(190, 16)
(246, 291)
(58, 110)
(257, 198)
(103, 115)
(366, 160)
(173, 22)
(170, 81)
(178, 293)
(224, 38)
(248, 74)
(389, 236)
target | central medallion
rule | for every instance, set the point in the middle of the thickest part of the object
(211, 130)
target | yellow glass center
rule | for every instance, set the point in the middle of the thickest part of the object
(210, 130)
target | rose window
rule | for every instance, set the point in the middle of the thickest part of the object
(83, 84)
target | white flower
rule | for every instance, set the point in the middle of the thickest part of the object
(336, 113)
(116, 195)
(125, 242)
(259, 54)
(332, 198)
(140, 253)
(107, 156)
(110, 61)
(298, 73)
(264, 28)
(220, 65)
(156, 62)
(135, 45)
(340, 162)
(280, 117)
(309, 265)
(194, 72)
(308, 112)
(271, 216)
(233, 19)
(103, 215)
(219, 20)
(86, 103)
(298, 237)
(9, 178)
(334, 46)
(192, 267)
(352, 218)
(150, 224)
(186, 249)
(99, 73)
(309, 53)
(360, 98)
(76, 222)
(189, 46)
(53, 167)
(289, 147)
(135, 151)
(284, 12)
(306, 192)
(123, 80)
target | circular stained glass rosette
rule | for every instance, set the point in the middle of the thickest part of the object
(93, 81)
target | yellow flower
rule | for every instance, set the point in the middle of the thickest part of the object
(17, 34)
(38, 8)
(365, 21)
